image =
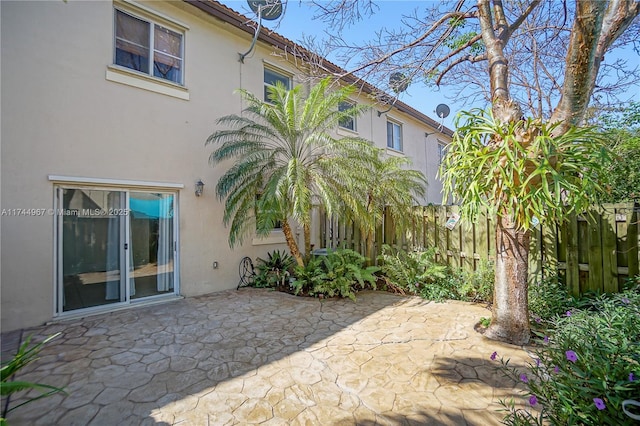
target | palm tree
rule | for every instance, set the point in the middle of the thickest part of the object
(285, 161)
(391, 186)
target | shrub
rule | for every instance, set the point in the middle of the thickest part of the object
(549, 298)
(273, 271)
(590, 365)
(308, 276)
(417, 272)
(413, 271)
(339, 273)
(470, 286)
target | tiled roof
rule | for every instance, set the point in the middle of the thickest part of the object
(276, 40)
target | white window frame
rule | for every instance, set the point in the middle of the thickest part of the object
(442, 150)
(153, 23)
(278, 72)
(399, 125)
(353, 117)
(124, 186)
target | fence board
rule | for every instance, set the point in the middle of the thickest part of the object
(632, 238)
(596, 281)
(597, 254)
(609, 250)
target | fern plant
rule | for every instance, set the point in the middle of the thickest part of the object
(412, 270)
(339, 273)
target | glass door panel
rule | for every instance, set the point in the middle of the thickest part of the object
(151, 234)
(92, 234)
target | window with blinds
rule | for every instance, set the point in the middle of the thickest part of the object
(148, 47)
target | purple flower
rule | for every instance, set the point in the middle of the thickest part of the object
(493, 356)
(533, 400)
(568, 313)
(537, 362)
(625, 300)
(538, 320)
(524, 378)
(571, 356)
(546, 339)
(556, 369)
(599, 404)
(631, 377)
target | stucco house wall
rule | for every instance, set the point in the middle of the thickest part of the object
(69, 117)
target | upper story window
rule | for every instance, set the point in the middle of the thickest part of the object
(347, 122)
(394, 135)
(271, 77)
(148, 47)
(442, 151)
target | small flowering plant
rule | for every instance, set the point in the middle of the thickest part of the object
(586, 368)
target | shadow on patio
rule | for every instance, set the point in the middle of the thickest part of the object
(255, 356)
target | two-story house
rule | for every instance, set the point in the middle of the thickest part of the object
(105, 110)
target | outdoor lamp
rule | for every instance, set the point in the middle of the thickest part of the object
(199, 187)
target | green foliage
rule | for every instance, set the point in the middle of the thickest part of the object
(26, 354)
(471, 286)
(622, 135)
(412, 271)
(462, 40)
(308, 276)
(339, 273)
(548, 299)
(390, 187)
(271, 272)
(417, 272)
(589, 367)
(284, 156)
(520, 170)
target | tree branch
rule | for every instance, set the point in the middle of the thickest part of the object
(596, 26)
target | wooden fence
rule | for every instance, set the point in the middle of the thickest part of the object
(596, 251)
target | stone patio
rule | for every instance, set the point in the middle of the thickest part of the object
(261, 357)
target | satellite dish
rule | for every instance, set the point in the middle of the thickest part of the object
(265, 9)
(442, 111)
(399, 82)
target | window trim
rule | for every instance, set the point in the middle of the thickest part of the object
(278, 71)
(146, 80)
(442, 150)
(400, 125)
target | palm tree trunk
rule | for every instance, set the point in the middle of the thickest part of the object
(307, 240)
(510, 317)
(291, 242)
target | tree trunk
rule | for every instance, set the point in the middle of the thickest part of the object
(307, 240)
(510, 318)
(291, 242)
(369, 241)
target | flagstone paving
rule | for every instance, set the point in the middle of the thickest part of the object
(261, 357)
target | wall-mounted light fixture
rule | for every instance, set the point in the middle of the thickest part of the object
(199, 187)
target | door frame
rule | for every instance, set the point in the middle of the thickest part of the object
(126, 186)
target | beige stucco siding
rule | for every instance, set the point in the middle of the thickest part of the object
(63, 115)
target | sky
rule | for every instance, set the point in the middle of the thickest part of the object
(298, 22)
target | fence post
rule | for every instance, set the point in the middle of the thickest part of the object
(632, 239)
(573, 268)
(609, 249)
(596, 281)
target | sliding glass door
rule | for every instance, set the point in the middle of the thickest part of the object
(114, 246)
(152, 244)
